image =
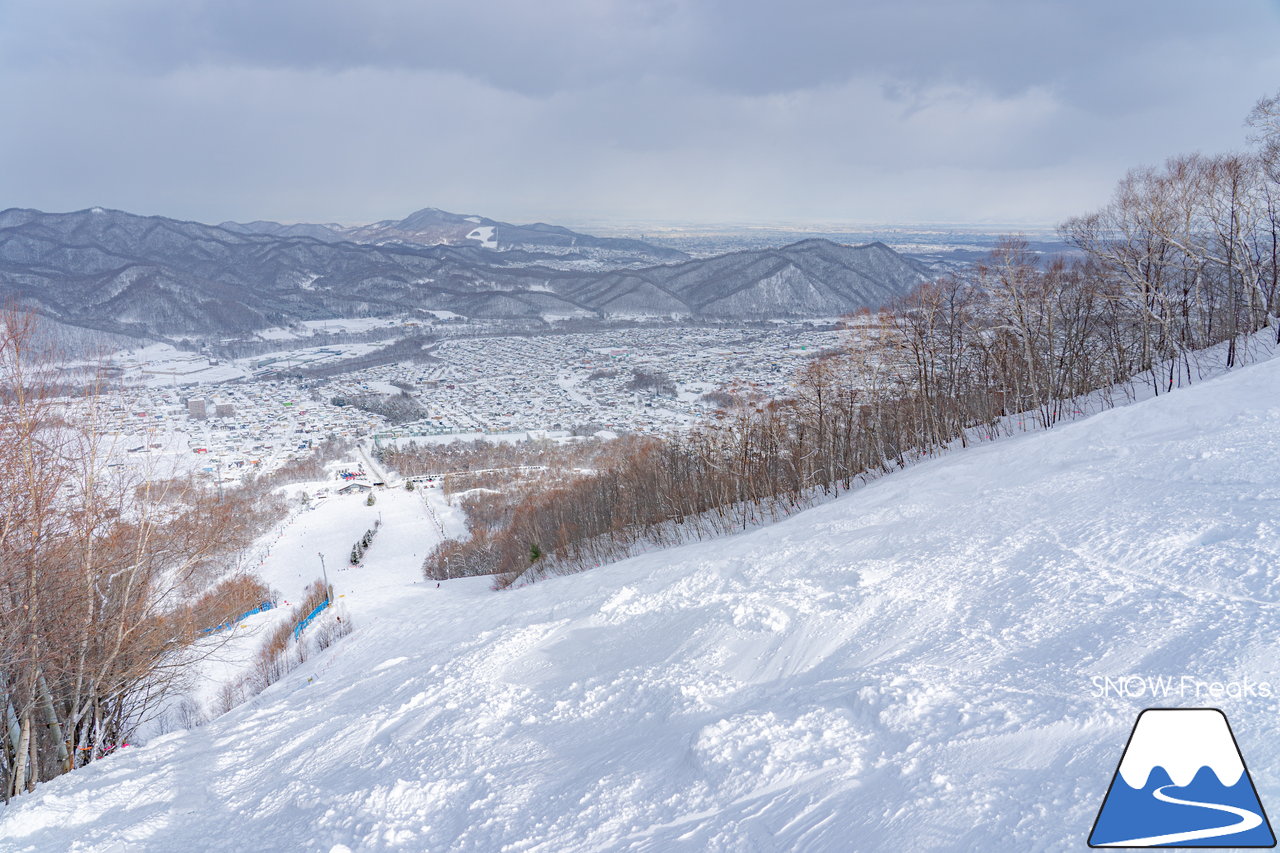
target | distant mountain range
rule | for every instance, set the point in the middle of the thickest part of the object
(151, 276)
(433, 227)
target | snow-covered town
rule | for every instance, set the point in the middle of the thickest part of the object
(224, 419)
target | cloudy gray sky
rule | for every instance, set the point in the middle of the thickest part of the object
(998, 111)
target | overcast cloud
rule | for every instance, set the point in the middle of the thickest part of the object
(565, 110)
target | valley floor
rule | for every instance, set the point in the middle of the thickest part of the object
(908, 667)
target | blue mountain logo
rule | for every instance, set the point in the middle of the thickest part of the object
(1182, 782)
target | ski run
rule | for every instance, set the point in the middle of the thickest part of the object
(912, 666)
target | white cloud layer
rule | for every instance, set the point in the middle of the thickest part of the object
(739, 111)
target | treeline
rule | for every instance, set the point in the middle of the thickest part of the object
(363, 543)
(306, 629)
(223, 605)
(1193, 247)
(233, 349)
(108, 575)
(416, 460)
(1183, 258)
(303, 468)
(288, 646)
(399, 408)
(491, 499)
(655, 382)
(415, 347)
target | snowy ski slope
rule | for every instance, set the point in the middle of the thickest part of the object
(909, 667)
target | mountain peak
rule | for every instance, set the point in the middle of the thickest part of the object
(434, 216)
(823, 244)
(814, 243)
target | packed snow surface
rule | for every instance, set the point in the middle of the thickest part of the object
(913, 666)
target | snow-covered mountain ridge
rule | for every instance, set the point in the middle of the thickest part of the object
(907, 667)
(432, 226)
(151, 276)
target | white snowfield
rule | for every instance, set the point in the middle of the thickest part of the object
(485, 235)
(906, 668)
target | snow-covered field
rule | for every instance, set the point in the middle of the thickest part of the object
(304, 356)
(485, 235)
(276, 333)
(352, 325)
(162, 365)
(909, 667)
